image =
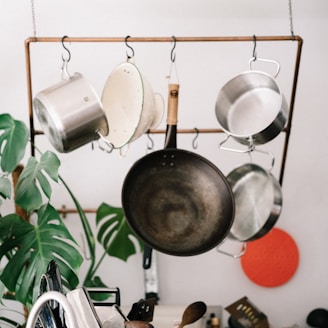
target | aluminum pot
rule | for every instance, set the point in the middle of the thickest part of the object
(131, 106)
(251, 107)
(70, 113)
(258, 204)
(176, 201)
(258, 201)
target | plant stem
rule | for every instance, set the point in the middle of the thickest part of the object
(95, 268)
(87, 230)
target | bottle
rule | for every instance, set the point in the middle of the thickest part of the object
(215, 322)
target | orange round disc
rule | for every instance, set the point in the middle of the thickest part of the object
(272, 260)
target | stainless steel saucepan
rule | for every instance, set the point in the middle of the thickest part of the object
(251, 107)
(258, 203)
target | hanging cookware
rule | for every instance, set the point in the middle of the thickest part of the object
(251, 107)
(176, 201)
(70, 112)
(258, 201)
(131, 106)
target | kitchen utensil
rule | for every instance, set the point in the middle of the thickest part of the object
(192, 313)
(52, 315)
(70, 112)
(176, 201)
(247, 314)
(258, 204)
(234, 323)
(271, 260)
(45, 299)
(143, 310)
(131, 106)
(251, 107)
(86, 315)
(318, 318)
(47, 318)
(258, 201)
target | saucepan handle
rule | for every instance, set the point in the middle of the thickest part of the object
(269, 153)
(272, 61)
(235, 256)
(249, 149)
(64, 70)
(104, 144)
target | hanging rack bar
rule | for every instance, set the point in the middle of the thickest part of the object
(165, 39)
(293, 38)
(291, 108)
(179, 131)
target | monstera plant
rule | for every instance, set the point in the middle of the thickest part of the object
(35, 233)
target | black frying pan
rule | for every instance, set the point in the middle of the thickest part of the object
(176, 201)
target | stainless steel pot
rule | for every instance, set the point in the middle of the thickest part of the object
(70, 113)
(251, 107)
(258, 201)
(258, 204)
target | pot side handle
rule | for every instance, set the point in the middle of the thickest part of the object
(272, 61)
(235, 256)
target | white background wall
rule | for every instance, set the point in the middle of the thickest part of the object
(96, 177)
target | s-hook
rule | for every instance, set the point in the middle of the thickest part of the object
(126, 43)
(254, 48)
(173, 64)
(194, 141)
(67, 50)
(150, 144)
(173, 48)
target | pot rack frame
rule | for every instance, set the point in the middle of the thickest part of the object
(286, 130)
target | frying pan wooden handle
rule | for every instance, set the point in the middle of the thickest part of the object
(172, 105)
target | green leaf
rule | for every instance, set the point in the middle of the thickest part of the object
(114, 233)
(35, 246)
(28, 193)
(96, 282)
(13, 139)
(5, 187)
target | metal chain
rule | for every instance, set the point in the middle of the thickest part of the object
(291, 18)
(33, 18)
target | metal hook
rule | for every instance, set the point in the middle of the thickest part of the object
(254, 48)
(194, 141)
(150, 144)
(126, 43)
(173, 48)
(68, 52)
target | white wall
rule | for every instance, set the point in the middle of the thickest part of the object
(203, 69)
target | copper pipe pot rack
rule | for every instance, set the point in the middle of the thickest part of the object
(287, 129)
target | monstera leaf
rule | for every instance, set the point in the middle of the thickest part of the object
(28, 194)
(13, 140)
(32, 247)
(5, 188)
(114, 233)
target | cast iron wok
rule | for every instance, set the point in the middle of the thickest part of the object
(176, 201)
